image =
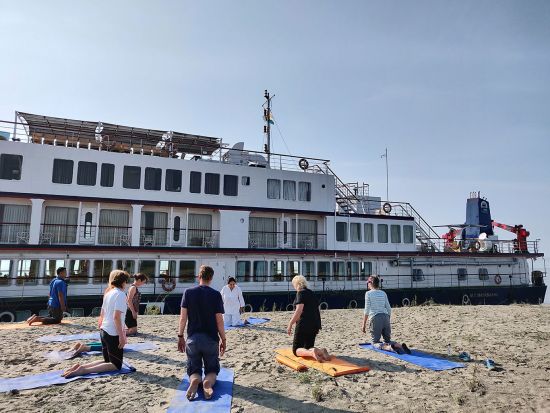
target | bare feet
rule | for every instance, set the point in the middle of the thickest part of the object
(318, 355)
(193, 387)
(208, 385)
(31, 319)
(326, 354)
(71, 372)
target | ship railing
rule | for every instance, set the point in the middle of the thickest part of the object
(14, 131)
(58, 234)
(114, 235)
(481, 246)
(14, 232)
(153, 236)
(284, 240)
(206, 238)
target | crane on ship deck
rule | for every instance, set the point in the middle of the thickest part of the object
(520, 243)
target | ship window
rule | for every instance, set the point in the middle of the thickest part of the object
(262, 232)
(177, 229)
(355, 232)
(187, 272)
(308, 269)
(50, 270)
(366, 270)
(107, 174)
(62, 171)
(113, 227)
(369, 233)
(338, 269)
(408, 234)
(126, 265)
(102, 269)
(289, 190)
(242, 271)
(230, 185)
(153, 178)
(167, 270)
(212, 184)
(483, 274)
(60, 224)
(277, 270)
(27, 272)
(199, 233)
(323, 270)
(10, 166)
(292, 269)
(462, 274)
(148, 268)
(417, 274)
(352, 271)
(173, 180)
(304, 191)
(245, 180)
(195, 182)
(5, 271)
(273, 189)
(78, 271)
(14, 223)
(154, 229)
(307, 234)
(342, 231)
(260, 270)
(132, 177)
(396, 234)
(87, 173)
(382, 230)
(88, 225)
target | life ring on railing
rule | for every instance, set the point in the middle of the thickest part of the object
(303, 164)
(406, 302)
(323, 306)
(386, 207)
(498, 279)
(168, 284)
(248, 308)
(465, 299)
(9, 314)
(352, 304)
(291, 307)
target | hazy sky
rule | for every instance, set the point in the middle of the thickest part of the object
(458, 91)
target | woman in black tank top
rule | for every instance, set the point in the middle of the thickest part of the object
(134, 298)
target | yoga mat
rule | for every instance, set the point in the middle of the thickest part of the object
(23, 324)
(251, 321)
(219, 403)
(53, 377)
(419, 358)
(294, 365)
(335, 367)
(69, 337)
(58, 356)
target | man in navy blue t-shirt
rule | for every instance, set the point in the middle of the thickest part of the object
(202, 312)
(57, 303)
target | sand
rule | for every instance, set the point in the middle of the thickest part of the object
(517, 337)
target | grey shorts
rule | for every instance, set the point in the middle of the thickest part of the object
(202, 349)
(379, 326)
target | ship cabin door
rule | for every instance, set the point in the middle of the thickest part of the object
(220, 277)
(88, 220)
(289, 233)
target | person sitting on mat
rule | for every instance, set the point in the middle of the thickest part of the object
(308, 322)
(113, 338)
(57, 302)
(233, 303)
(134, 298)
(202, 312)
(378, 311)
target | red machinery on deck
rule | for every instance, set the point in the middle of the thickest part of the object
(520, 243)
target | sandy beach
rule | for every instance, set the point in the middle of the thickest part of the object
(516, 337)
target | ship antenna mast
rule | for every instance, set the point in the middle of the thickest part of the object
(267, 126)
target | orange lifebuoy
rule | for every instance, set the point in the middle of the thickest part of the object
(168, 284)
(498, 279)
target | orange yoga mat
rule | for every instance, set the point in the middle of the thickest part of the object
(23, 324)
(290, 363)
(335, 367)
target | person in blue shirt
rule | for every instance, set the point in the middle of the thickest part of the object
(57, 303)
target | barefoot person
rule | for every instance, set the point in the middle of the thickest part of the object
(57, 303)
(134, 298)
(308, 322)
(233, 303)
(112, 334)
(377, 314)
(202, 313)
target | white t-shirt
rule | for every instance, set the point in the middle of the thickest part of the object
(114, 300)
(232, 300)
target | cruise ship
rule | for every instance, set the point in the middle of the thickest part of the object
(94, 196)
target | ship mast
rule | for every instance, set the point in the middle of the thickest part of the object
(267, 126)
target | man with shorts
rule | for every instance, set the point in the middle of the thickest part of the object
(57, 303)
(202, 312)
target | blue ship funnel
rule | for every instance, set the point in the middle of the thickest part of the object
(478, 213)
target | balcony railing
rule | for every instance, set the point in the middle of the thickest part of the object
(261, 239)
(58, 234)
(474, 245)
(114, 235)
(208, 238)
(150, 237)
(14, 233)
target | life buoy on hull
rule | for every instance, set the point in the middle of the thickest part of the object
(7, 317)
(303, 164)
(168, 284)
(498, 279)
(465, 299)
(323, 306)
(406, 302)
(248, 308)
(352, 304)
(290, 307)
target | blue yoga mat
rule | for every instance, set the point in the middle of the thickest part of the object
(53, 377)
(58, 356)
(219, 403)
(419, 358)
(251, 321)
(69, 337)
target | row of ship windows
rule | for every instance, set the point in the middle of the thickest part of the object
(353, 233)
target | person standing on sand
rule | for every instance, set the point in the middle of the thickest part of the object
(233, 303)
(308, 322)
(202, 312)
(57, 303)
(378, 310)
(134, 297)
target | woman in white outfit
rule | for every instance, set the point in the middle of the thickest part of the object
(233, 303)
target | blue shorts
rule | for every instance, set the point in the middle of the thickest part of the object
(201, 348)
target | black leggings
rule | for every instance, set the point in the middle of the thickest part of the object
(111, 352)
(303, 338)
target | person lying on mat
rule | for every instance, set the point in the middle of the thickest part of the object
(113, 338)
(233, 303)
(84, 347)
(378, 313)
(202, 312)
(57, 302)
(308, 322)
(134, 297)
